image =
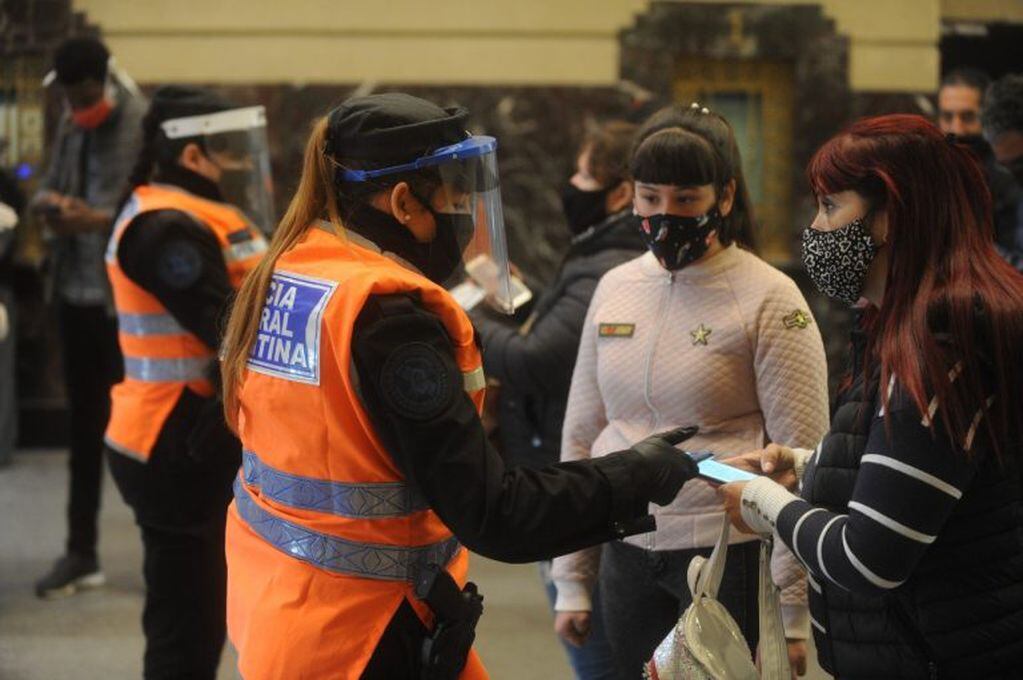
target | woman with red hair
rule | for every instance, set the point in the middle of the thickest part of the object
(909, 516)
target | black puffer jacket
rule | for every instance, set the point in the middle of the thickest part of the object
(535, 366)
(960, 615)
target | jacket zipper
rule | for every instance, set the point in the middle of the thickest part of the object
(648, 379)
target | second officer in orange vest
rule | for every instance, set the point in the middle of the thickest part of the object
(355, 383)
(180, 247)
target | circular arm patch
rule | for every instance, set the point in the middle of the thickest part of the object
(417, 383)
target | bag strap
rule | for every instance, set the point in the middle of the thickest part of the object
(705, 574)
(774, 653)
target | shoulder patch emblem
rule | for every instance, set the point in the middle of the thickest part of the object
(797, 319)
(288, 340)
(416, 382)
(616, 330)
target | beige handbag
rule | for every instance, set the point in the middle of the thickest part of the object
(706, 643)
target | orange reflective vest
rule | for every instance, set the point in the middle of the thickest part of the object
(324, 538)
(161, 358)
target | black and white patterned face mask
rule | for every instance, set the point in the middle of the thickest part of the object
(678, 241)
(837, 261)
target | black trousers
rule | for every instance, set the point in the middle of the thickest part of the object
(643, 594)
(180, 504)
(92, 365)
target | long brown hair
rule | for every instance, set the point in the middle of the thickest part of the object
(944, 275)
(314, 199)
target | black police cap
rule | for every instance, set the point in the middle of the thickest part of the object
(392, 128)
(180, 101)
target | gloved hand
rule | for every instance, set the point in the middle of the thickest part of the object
(663, 469)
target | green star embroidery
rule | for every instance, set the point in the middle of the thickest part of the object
(700, 335)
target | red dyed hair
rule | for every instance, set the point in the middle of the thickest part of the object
(943, 271)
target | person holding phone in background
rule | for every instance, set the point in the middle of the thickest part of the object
(96, 144)
(699, 330)
(533, 363)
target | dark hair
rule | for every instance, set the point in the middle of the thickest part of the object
(169, 102)
(80, 59)
(666, 152)
(1003, 107)
(609, 146)
(942, 267)
(970, 77)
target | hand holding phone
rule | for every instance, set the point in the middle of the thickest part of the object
(720, 473)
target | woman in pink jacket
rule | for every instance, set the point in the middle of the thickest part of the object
(699, 331)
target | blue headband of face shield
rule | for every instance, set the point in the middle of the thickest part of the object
(473, 147)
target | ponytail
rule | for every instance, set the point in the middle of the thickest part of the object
(314, 199)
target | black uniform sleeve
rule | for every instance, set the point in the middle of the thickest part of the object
(178, 260)
(413, 391)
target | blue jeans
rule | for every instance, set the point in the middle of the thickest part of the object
(594, 660)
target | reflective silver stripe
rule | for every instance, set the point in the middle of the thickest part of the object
(148, 324)
(364, 560)
(357, 501)
(474, 380)
(243, 251)
(166, 370)
(124, 450)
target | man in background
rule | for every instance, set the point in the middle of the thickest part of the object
(97, 142)
(12, 202)
(961, 103)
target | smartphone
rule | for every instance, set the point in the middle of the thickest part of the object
(484, 273)
(719, 473)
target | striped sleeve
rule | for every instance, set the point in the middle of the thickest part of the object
(909, 482)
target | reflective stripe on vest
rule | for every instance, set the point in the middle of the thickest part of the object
(474, 380)
(355, 501)
(363, 560)
(147, 369)
(148, 324)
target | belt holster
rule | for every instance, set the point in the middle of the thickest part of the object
(456, 612)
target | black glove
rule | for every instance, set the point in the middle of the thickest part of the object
(663, 469)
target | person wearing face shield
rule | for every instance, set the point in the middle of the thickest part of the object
(698, 329)
(355, 383)
(96, 142)
(180, 248)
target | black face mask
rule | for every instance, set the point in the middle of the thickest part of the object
(583, 209)
(678, 241)
(437, 260)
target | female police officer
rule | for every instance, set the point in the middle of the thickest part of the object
(354, 382)
(177, 252)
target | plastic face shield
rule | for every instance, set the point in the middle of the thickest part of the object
(470, 187)
(235, 141)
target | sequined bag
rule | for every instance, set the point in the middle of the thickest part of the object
(706, 643)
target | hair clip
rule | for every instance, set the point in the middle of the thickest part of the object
(694, 105)
(704, 110)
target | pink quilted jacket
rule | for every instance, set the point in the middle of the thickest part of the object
(727, 344)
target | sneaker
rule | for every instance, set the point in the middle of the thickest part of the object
(71, 574)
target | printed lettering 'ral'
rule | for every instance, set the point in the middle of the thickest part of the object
(288, 340)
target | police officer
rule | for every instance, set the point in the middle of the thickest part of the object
(177, 252)
(355, 383)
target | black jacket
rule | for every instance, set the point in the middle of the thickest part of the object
(960, 615)
(535, 367)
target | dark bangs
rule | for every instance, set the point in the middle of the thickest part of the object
(677, 157)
